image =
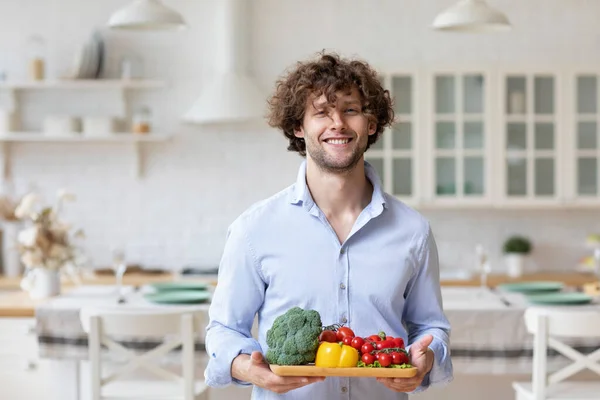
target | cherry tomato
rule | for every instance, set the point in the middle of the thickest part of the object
(347, 340)
(400, 358)
(357, 342)
(385, 344)
(367, 348)
(368, 358)
(377, 355)
(343, 332)
(389, 338)
(384, 359)
(328, 336)
(374, 338)
(399, 342)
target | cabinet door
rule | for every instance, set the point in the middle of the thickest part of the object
(531, 138)
(584, 154)
(395, 154)
(459, 148)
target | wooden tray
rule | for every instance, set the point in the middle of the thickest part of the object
(311, 370)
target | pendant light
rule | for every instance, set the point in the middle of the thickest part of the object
(146, 15)
(471, 16)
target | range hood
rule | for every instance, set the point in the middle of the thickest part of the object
(231, 96)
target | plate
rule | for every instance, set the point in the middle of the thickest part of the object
(563, 298)
(532, 287)
(174, 286)
(311, 370)
(178, 297)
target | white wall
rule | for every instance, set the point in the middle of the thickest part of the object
(197, 184)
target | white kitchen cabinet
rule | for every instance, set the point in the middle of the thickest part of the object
(23, 375)
(396, 155)
(583, 148)
(458, 133)
(532, 148)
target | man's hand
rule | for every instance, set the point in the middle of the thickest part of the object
(255, 370)
(421, 357)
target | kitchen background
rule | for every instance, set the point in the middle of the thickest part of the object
(194, 185)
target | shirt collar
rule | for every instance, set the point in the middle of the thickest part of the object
(300, 195)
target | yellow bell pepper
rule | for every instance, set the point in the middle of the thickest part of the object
(336, 355)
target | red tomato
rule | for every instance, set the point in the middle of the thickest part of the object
(328, 336)
(399, 342)
(368, 358)
(385, 344)
(384, 359)
(343, 332)
(400, 358)
(389, 338)
(357, 343)
(374, 338)
(377, 355)
(367, 348)
(347, 340)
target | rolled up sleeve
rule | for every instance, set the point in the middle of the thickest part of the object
(424, 314)
(238, 296)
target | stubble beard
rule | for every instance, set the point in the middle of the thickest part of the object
(326, 163)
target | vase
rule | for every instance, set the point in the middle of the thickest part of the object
(11, 259)
(43, 283)
(515, 264)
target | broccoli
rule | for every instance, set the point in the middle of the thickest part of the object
(294, 337)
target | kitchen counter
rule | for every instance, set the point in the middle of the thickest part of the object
(16, 303)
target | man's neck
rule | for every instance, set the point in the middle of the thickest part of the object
(337, 194)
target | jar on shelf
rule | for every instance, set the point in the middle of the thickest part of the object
(36, 49)
(142, 120)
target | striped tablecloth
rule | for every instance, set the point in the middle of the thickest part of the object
(488, 329)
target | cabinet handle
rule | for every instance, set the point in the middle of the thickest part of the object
(30, 365)
(31, 330)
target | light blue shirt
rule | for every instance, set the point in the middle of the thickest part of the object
(282, 252)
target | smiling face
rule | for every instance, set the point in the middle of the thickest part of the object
(336, 135)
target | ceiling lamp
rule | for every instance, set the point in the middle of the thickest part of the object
(471, 16)
(146, 15)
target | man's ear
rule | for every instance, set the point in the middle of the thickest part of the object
(299, 132)
(372, 127)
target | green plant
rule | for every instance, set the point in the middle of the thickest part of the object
(517, 244)
(294, 337)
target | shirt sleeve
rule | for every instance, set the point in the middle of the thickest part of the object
(236, 300)
(424, 314)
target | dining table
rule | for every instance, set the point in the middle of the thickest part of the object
(488, 333)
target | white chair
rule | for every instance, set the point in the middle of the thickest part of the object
(180, 328)
(548, 325)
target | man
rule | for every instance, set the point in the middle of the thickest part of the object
(333, 242)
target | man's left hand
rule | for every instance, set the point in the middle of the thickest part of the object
(421, 357)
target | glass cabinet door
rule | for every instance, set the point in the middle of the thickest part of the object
(394, 155)
(460, 136)
(586, 139)
(530, 137)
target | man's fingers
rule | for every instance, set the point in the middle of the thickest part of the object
(257, 357)
(422, 345)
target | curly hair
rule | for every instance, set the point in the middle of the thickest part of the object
(327, 75)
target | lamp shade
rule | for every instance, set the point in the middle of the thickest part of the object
(146, 15)
(471, 16)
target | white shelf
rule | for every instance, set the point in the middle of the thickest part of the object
(117, 137)
(134, 140)
(84, 84)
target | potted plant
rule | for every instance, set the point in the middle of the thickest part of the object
(515, 249)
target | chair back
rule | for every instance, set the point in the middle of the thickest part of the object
(179, 326)
(548, 325)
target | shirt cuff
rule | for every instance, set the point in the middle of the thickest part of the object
(441, 372)
(218, 371)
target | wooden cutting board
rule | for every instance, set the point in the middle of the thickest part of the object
(311, 370)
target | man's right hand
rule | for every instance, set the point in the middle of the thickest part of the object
(254, 369)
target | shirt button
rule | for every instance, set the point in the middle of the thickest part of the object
(342, 251)
(342, 286)
(344, 389)
(344, 320)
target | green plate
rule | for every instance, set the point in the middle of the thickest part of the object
(178, 297)
(532, 287)
(568, 298)
(177, 285)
